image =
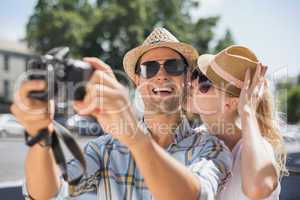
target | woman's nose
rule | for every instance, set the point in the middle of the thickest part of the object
(190, 91)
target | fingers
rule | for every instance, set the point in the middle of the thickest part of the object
(80, 107)
(104, 79)
(97, 105)
(258, 85)
(247, 80)
(99, 97)
(38, 117)
(261, 89)
(257, 88)
(86, 106)
(31, 122)
(28, 86)
(264, 71)
(32, 114)
(25, 103)
(99, 65)
(256, 77)
(100, 85)
(99, 91)
(103, 91)
(246, 85)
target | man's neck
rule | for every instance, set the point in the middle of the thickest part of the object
(162, 127)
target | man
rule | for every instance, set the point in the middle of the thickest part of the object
(158, 158)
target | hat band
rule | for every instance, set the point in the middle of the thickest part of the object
(225, 75)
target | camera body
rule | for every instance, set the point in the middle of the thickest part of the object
(56, 67)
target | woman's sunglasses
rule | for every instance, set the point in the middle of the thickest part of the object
(174, 67)
(204, 83)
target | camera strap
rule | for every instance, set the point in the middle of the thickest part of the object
(61, 133)
(42, 135)
(53, 140)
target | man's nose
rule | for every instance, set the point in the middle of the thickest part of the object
(162, 74)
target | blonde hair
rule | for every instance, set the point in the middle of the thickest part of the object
(269, 123)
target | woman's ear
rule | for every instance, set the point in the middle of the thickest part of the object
(232, 103)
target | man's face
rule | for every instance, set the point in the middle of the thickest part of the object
(162, 92)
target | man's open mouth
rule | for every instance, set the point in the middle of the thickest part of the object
(163, 91)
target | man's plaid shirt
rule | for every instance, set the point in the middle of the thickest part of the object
(113, 174)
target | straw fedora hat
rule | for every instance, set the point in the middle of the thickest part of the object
(159, 37)
(227, 69)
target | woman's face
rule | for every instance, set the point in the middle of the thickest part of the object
(206, 100)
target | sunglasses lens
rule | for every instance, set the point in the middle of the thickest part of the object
(195, 75)
(175, 67)
(204, 86)
(204, 83)
(149, 69)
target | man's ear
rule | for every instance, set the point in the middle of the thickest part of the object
(136, 79)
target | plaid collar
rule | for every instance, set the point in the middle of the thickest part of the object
(182, 131)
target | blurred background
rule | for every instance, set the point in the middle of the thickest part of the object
(109, 28)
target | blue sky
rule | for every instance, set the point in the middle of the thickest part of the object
(14, 15)
(271, 28)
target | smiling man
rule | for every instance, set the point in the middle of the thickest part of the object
(160, 157)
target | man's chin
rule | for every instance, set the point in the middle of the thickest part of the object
(165, 105)
(164, 97)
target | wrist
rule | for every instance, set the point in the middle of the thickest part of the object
(246, 111)
(32, 132)
(43, 138)
(141, 140)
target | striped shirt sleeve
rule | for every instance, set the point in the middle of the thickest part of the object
(213, 167)
(87, 183)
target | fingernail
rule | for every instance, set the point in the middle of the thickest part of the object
(86, 58)
(80, 111)
(41, 84)
(265, 70)
(98, 110)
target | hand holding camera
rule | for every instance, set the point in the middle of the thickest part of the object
(31, 113)
(107, 100)
(45, 74)
(95, 90)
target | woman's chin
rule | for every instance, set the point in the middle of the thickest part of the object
(204, 112)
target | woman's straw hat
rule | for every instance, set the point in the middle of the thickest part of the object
(227, 69)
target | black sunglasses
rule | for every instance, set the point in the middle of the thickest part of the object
(174, 67)
(204, 83)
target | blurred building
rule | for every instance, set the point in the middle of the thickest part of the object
(14, 57)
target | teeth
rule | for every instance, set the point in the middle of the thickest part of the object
(162, 90)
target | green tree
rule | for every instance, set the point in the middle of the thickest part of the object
(224, 42)
(289, 98)
(109, 28)
(59, 23)
(293, 105)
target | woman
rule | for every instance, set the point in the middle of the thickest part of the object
(231, 95)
